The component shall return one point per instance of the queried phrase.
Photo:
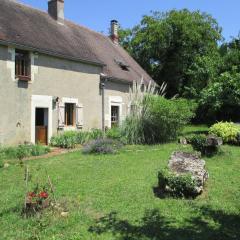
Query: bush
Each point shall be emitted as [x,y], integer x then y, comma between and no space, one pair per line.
[65,140]
[161,120]
[23,151]
[114,133]
[2,157]
[228,131]
[102,146]
[238,138]
[38,150]
[177,185]
[70,139]
[199,143]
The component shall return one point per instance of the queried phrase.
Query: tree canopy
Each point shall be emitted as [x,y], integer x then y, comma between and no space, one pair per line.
[177,47]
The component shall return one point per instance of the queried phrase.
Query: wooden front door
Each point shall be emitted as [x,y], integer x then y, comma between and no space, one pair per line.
[41,134]
[41,130]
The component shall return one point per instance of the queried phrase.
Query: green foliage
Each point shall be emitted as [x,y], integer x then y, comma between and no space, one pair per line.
[176,47]
[23,151]
[177,185]
[70,139]
[114,133]
[38,150]
[161,121]
[123,183]
[2,156]
[65,140]
[199,143]
[133,130]
[221,99]
[228,131]
[102,146]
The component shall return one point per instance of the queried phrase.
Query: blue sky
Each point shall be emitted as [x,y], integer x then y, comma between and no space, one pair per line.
[96,14]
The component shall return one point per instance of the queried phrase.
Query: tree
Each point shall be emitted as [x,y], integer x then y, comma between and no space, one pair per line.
[221,99]
[175,47]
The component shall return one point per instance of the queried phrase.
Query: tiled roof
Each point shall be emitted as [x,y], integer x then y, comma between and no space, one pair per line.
[35,29]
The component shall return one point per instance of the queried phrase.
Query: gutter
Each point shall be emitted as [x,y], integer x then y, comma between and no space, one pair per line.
[50,53]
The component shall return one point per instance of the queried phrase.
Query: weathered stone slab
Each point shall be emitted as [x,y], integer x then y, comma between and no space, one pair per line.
[182,162]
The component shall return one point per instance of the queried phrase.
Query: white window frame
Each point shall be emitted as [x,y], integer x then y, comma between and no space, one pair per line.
[114,101]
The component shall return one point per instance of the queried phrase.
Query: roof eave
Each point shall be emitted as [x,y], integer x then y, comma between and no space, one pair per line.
[124,81]
[50,53]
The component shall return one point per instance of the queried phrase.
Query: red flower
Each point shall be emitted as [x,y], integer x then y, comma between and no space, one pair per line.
[43,195]
[32,194]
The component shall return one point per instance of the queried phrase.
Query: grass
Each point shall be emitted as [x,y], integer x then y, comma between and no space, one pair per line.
[111,197]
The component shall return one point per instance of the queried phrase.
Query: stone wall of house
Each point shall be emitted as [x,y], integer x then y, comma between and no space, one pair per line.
[51,76]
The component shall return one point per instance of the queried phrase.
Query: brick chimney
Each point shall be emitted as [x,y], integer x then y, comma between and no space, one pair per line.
[56,10]
[114,31]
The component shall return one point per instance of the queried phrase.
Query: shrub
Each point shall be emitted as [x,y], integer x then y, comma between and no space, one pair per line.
[161,120]
[23,151]
[65,140]
[70,139]
[114,133]
[102,146]
[177,185]
[96,134]
[238,138]
[228,131]
[2,156]
[199,143]
[38,150]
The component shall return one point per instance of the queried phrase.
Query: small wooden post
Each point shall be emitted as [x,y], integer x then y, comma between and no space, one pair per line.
[26,177]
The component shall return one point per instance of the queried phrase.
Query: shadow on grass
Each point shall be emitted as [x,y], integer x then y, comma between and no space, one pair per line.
[155,226]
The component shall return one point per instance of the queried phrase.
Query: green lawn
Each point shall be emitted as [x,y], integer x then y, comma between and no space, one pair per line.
[111,197]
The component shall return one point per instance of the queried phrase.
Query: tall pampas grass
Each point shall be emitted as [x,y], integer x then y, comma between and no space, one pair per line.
[140,95]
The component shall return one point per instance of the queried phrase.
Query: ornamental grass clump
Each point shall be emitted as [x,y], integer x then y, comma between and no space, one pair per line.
[102,146]
[152,118]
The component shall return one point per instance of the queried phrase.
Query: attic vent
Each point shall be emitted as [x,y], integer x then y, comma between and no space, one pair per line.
[122,65]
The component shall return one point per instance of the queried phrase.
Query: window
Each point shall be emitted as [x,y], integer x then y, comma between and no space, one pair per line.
[22,65]
[70,114]
[114,116]
[122,65]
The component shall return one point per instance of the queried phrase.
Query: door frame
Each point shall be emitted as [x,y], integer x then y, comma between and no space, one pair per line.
[118,102]
[45,124]
[40,101]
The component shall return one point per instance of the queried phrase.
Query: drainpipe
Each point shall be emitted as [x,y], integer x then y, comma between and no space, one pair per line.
[103,79]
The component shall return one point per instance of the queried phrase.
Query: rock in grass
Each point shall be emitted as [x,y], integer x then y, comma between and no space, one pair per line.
[64,214]
[182,163]
[6,165]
